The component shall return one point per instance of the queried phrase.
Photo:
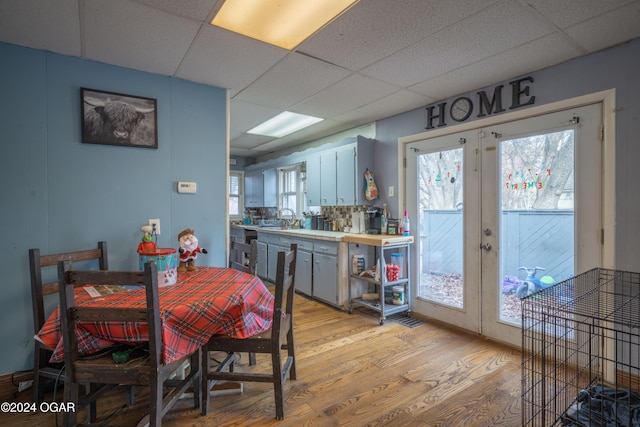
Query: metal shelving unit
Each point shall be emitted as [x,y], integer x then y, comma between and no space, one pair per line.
[380,248]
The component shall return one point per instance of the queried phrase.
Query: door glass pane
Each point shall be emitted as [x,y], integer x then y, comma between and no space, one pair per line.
[536,216]
[440,196]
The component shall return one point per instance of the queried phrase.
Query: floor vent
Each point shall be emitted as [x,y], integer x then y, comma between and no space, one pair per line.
[405,320]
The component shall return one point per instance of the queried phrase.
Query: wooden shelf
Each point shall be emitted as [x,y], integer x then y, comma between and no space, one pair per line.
[380,240]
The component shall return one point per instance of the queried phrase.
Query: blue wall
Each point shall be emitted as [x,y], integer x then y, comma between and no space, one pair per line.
[62,195]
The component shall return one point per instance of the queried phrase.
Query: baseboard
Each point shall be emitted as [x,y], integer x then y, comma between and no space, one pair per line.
[9,384]
[629,380]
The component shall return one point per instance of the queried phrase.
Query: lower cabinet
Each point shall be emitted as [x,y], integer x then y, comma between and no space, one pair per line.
[317,265]
[325,271]
[304,272]
[261,268]
[272,260]
[304,266]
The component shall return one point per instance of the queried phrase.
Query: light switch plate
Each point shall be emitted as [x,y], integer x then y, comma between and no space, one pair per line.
[392,191]
[186,187]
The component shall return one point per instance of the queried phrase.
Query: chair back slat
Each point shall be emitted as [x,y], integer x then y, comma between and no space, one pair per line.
[285,286]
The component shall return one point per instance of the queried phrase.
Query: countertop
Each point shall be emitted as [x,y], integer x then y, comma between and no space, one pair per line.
[338,236]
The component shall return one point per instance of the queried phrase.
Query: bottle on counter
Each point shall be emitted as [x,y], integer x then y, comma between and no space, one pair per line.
[383,219]
[406,229]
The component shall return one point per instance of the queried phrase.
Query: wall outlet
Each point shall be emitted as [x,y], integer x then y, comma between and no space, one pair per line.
[155,224]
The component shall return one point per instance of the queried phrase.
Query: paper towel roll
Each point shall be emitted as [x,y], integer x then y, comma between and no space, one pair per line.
[355,223]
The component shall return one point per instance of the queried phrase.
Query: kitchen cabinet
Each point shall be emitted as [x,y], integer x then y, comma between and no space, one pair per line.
[320,268]
[328,175]
[325,271]
[242,234]
[377,293]
[253,189]
[352,161]
[270,187]
[274,243]
[304,266]
[313,180]
[261,267]
[261,188]
[335,177]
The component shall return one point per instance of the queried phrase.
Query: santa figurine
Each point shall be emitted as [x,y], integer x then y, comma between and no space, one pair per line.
[188,250]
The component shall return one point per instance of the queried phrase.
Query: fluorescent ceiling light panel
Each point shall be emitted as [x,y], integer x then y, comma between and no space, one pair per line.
[284,124]
[283,23]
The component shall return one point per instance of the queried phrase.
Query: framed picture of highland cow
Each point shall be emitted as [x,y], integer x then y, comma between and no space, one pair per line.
[118,119]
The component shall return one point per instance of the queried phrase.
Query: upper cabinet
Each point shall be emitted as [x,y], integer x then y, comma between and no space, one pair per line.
[328,193]
[313,180]
[352,161]
[335,177]
[270,188]
[260,188]
[253,189]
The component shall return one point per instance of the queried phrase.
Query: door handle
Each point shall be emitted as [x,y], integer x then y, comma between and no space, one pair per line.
[485,246]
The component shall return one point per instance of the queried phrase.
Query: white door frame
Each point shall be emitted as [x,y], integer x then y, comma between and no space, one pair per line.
[606,97]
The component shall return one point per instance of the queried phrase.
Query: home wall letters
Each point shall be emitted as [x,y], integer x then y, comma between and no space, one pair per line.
[463,107]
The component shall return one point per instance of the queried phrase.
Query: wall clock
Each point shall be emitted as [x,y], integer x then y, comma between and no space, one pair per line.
[461,109]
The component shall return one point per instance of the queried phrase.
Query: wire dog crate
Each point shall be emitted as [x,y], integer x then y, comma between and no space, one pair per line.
[581,352]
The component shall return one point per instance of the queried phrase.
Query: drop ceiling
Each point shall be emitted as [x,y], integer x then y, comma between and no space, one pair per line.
[379,59]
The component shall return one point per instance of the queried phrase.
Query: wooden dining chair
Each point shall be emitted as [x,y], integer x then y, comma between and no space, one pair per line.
[274,341]
[145,368]
[239,252]
[39,264]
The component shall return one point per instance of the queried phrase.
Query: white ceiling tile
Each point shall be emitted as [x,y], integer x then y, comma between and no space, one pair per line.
[378,28]
[594,34]
[353,92]
[124,33]
[293,79]
[194,9]
[568,12]
[250,141]
[504,25]
[529,57]
[42,24]
[388,106]
[224,59]
[245,116]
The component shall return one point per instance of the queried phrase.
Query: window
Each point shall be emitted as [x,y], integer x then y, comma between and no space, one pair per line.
[291,189]
[236,206]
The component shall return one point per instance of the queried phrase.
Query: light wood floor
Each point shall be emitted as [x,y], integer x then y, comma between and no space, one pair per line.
[354,372]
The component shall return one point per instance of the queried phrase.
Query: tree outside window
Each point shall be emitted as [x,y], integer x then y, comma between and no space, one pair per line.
[291,189]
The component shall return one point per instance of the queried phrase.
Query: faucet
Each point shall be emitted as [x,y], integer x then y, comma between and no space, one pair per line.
[289,222]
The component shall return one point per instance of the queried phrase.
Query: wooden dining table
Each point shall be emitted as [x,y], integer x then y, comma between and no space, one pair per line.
[199,305]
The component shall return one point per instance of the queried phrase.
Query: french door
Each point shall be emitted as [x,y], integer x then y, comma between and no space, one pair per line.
[503,211]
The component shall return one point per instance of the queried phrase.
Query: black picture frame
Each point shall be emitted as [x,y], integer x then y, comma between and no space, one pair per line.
[118,119]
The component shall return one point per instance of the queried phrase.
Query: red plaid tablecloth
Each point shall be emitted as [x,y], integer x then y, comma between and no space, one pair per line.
[201,304]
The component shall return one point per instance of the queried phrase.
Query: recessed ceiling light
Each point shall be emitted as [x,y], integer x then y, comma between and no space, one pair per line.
[284,124]
[283,23]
